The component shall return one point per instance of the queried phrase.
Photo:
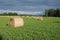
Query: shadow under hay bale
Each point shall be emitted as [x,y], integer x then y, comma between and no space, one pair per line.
[6,24]
[0,37]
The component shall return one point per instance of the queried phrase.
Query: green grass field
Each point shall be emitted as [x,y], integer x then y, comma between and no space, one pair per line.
[48,29]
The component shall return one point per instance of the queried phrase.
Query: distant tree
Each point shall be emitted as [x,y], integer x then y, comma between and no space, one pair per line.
[52,12]
[12,14]
[46,12]
[5,13]
[15,13]
[58,12]
[9,13]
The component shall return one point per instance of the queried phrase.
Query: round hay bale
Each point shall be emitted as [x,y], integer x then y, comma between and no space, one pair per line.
[41,18]
[27,16]
[16,21]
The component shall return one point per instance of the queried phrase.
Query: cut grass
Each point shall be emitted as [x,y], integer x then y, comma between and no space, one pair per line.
[48,29]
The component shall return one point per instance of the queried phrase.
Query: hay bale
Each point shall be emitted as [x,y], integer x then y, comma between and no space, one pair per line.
[36,17]
[27,16]
[41,18]
[16,22]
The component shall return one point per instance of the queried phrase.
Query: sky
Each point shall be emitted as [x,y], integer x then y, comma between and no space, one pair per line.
[29,5]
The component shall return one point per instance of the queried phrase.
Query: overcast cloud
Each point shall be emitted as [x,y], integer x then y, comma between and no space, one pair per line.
[29,5]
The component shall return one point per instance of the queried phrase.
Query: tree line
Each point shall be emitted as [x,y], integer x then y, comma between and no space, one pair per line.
[14,14]
[8,14]
[48,13]
[52,12]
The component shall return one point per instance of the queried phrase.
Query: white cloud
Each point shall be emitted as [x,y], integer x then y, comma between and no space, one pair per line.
[21,12]
[28,6]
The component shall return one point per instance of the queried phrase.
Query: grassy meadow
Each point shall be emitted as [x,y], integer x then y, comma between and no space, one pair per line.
[33,29]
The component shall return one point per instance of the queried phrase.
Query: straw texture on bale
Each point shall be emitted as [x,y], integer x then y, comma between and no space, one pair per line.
[16,22]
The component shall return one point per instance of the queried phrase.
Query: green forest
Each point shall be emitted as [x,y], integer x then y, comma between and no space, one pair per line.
[52,12]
